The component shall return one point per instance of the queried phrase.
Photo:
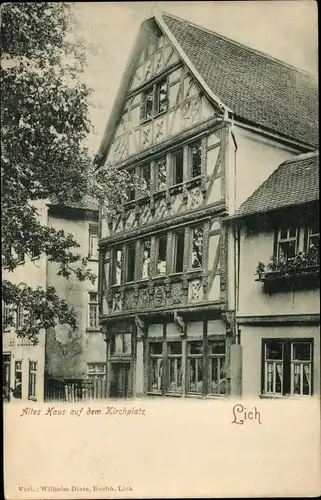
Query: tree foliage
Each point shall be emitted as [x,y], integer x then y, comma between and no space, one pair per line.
[44,123]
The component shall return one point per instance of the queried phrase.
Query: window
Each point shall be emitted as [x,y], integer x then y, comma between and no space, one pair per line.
[20,257]
[6,364]
[178,251]
[93,241]
[93,310]
[155,366]
[287,367]
[130,261]
[17,380]
[161,254]
[197,247]
[20,319]
[174,370]
[161,96]
[121,344]
[178,166]
[146,263]
[217,368]
[35,254]
[195,158]
[7,314]
[145,175]
[32,379]
[161,173]
[130,193]
[313,244]
[96,370]
[195,367]
[154,100]
[147,104]
[287,243]
[116,274]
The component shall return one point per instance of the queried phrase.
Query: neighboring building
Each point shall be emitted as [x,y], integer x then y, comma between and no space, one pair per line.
[43,370]
[203,121]
[278,269]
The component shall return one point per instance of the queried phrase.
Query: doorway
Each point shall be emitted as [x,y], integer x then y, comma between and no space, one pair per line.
[120,385]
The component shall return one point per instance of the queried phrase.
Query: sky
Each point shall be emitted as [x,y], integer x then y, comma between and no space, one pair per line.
[285,29]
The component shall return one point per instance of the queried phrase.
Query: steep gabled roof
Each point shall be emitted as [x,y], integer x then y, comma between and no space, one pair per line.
[294,182]
[258,88]
[249,85]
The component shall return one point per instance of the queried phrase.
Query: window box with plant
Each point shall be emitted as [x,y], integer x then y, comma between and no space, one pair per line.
[302,269]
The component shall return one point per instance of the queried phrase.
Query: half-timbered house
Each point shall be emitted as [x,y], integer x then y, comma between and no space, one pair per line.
[202,120]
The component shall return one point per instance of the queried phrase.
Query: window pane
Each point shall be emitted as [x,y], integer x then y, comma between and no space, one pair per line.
[274,350]
[127,346]
[148,98]
[195,347]
[177,162]
[196,158]
[93,297]
[161,93]
[175,374]
[161,173]
[162,248]
[179,251]
[195,375]
[146,259]
[155,374]
[131,255]
[197,247]
[292,232]
[217,377]
[156,348]
[287,249]
[283,234]
[217,348]
[175,348]
[301,351]
[117,261]
[146,176]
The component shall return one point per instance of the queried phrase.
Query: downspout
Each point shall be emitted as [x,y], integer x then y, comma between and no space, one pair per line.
[236,240]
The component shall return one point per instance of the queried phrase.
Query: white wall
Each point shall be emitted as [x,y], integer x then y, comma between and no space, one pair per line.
[251,341]
[253,301]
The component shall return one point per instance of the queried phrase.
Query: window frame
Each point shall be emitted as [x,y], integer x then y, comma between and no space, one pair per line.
[191,357]
[160,237]
[152,357]
[130,245]
[154,90]
[93,230]
[141,263]
[175,251]
[96,305]
[96,375]
[191,240]
[32,380]
[114,262]
[20,318]
[287,372]
[170,357]
[190,146]
[218,356]
[173,163]
[288,239]
[18,371]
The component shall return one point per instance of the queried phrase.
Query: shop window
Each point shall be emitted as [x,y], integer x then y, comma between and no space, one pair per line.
[195,367]
[155,375]
[161,254]
[217,368]
[287,367]
[197,247]
[174,363]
